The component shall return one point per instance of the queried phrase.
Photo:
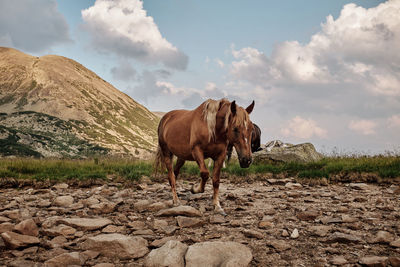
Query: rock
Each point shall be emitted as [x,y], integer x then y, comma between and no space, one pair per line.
[338,260]
[347,219]
[217,219]
[66,259]
[137,225]
[157,206]
[359,186]
[142,205]
[160,242]
[113,229]
[308,215]
[300,153]
[6,227]
[104,264]
[343,238]
[64,201]
[4,219]
[218,253]
[383,237]
[295,234]
[188,221]
[291,185]
[374,261]
[395,243]
[180,210]
[103,207]
[394,261]
[60,229]
[279,245]
[86,223]
[44,203]
[159,224]
[265,224]
[170,254]
[58,241]
[14,240]
[117,246]
[61,186]
[253,234]
[27,227]
[285,233]
[320,230]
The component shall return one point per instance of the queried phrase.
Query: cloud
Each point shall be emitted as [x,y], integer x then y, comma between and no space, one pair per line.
[365,127]
[394,121]
[220,63]
[123,72]
[124,28]
[303,129]
[32,25]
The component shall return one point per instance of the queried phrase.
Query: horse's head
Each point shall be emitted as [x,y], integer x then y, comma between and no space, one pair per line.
[239,132]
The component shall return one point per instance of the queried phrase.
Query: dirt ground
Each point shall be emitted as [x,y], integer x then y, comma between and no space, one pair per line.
[284,223]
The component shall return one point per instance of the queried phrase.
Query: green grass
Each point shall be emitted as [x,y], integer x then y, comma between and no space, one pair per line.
[61,170]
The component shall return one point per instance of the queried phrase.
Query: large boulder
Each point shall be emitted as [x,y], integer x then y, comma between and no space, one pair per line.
[171,254]
[218,253]
[277,151]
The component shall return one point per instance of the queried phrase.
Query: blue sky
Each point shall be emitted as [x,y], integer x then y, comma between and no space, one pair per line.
[324,72]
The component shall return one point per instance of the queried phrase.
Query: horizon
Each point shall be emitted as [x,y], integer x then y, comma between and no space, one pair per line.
[319,72]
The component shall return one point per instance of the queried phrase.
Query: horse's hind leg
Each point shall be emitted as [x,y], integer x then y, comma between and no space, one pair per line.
[199,157]
[171,178]
[178,166]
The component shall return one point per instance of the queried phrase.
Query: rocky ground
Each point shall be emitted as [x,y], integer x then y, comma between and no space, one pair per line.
[276,222]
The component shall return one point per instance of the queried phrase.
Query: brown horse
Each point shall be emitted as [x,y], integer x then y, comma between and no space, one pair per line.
[202,133]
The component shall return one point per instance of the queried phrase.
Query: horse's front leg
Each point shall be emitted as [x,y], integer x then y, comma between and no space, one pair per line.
[216,172]
[198,155]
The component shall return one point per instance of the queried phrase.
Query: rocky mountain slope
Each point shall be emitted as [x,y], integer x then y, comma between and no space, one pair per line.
[87,109]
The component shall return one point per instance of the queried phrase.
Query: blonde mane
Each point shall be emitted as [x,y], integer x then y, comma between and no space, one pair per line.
[210,110]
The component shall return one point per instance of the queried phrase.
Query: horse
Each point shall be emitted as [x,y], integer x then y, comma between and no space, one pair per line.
[204,132]
[255,142]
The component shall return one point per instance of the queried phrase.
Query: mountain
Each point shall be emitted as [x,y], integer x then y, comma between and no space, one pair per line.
[58,99]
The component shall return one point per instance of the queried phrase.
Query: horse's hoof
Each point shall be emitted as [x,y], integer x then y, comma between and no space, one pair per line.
[220,211]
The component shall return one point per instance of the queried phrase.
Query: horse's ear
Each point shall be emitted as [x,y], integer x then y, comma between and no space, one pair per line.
[233,108]
[249,109]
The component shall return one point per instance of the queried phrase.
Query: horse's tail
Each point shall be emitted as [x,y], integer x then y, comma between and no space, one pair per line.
[159,161]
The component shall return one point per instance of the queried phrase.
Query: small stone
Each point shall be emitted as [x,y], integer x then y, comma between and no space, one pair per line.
[159,224]
[395,243]
[61,186]
[6,227]
[137,225]
[117,246]
[279,245]
[359,186]
[14,240]
[338,260]
[64,201]
[343,238]
[347,219]
[320,230]
[188,221]
[27,227]
[86,223]
[236,223]
[265,224]
[142,205]
[104,264]
[58,241]
[160,242]
[103,207]
[394,261]
[285,233]
[180,210]
[113,229]
[374,261]
[295,234]
[66,259]
[217,219]
[253,234]
[383,237]
[309,215]
[60,229]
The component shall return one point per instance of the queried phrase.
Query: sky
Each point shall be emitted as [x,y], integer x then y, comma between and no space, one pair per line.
[325,72]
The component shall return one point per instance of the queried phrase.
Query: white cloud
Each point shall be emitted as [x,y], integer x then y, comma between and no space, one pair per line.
[365,127]
[32,25]
[356,47]
[124,28]
[123,72]
[394,121]
[301,128]
[220,63]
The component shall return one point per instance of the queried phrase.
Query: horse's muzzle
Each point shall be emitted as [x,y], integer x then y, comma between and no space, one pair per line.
[245,162]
